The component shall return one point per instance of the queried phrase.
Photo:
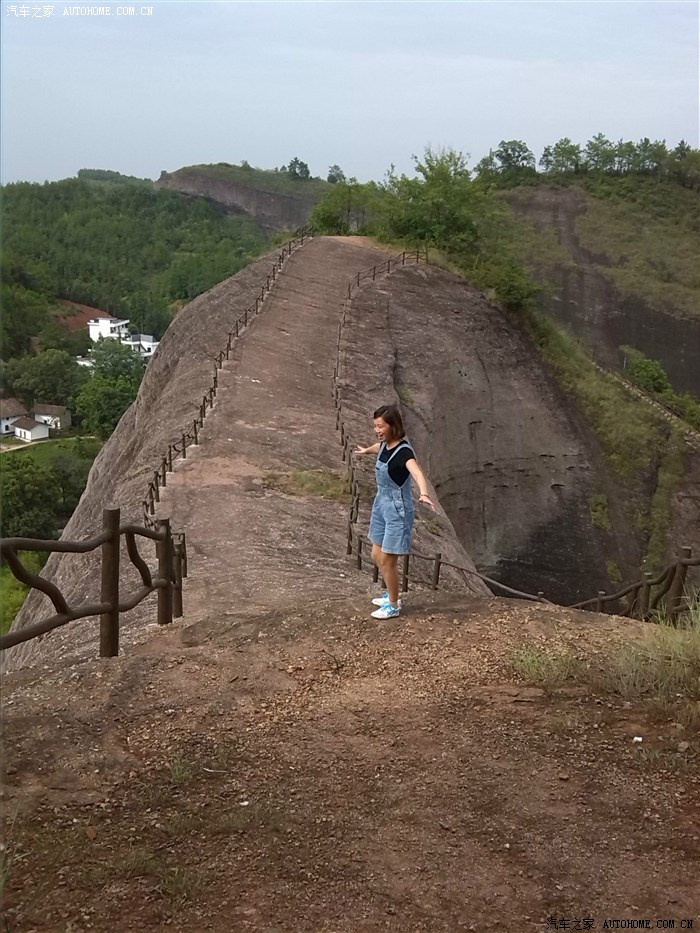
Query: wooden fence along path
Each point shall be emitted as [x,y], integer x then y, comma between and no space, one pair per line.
[643,597]
[171,552]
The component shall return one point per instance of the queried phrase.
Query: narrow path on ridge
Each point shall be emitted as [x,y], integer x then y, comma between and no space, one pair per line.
[251,547]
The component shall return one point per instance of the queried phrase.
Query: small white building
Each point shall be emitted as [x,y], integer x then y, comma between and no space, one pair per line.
[10,411]
[106,326]
[144,344]
[56,416]
[27,429]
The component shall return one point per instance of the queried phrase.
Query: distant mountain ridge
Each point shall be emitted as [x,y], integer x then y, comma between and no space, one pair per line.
[273,199]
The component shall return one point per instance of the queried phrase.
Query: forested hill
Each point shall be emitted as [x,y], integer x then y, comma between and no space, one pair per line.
[126,248]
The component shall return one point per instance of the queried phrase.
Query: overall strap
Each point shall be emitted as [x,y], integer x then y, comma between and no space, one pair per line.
[398,447]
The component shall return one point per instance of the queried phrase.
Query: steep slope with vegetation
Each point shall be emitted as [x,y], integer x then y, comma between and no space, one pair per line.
[650,496]
[622,271]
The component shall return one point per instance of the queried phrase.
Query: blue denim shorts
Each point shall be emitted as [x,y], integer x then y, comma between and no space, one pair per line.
[391,525]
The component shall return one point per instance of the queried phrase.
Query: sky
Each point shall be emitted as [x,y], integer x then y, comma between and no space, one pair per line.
[161,84]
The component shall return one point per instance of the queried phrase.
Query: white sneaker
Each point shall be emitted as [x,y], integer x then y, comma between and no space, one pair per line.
[387,611]
[381,600]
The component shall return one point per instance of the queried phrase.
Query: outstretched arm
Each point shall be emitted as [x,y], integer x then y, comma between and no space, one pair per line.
[374,449]
[419,477]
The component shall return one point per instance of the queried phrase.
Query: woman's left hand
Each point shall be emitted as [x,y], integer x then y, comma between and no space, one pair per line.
[428,501]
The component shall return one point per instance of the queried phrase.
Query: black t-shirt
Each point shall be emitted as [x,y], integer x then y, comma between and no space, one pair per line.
[398,471]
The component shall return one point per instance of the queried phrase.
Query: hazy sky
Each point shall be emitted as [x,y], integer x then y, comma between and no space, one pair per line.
[361,84]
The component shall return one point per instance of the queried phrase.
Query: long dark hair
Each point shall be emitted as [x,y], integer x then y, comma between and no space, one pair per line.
[392,416]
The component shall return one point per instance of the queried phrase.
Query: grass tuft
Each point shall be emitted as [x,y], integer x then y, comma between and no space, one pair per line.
[324,483]
[545,669]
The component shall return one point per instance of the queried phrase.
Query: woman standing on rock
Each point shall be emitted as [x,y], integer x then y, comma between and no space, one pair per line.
[393,511]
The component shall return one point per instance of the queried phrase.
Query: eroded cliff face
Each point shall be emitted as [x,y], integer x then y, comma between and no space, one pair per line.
[587,303]
[272,212]
[516,467]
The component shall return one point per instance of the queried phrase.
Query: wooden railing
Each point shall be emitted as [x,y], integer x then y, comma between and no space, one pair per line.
[646,597]
[190,435]
[643,598]
[171,555]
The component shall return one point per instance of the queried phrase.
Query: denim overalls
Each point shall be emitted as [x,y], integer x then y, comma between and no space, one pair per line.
[393,511]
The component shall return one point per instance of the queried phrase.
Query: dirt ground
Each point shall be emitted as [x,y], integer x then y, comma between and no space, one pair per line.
[315,770]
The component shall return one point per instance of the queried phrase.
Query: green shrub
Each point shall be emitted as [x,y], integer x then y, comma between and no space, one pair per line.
[12,592]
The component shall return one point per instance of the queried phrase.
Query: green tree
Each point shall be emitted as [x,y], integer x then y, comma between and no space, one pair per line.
[298,169]
[53,377]
[626,156]
[102,402]
[27,497]
[600,154]
[441,207]
[335,174]
[487,168]
[563,156]
[69,473]
[648,373]
[348,207]
[514,154]
[114,360]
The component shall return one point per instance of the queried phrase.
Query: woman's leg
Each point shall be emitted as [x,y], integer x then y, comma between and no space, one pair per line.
[377,556]
[390,571]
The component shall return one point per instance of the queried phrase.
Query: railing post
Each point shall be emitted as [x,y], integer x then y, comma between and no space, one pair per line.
[184,446]
[404,581]
[196,436]
[109,621]
[359,553]
[164,550]
[599,601]
[177,575]
[170,458]
[164,471]
[183,545]
[375,573]
[436,571]
[674,600]
[644,596]
[349,548]
[156,485]
[236,329]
